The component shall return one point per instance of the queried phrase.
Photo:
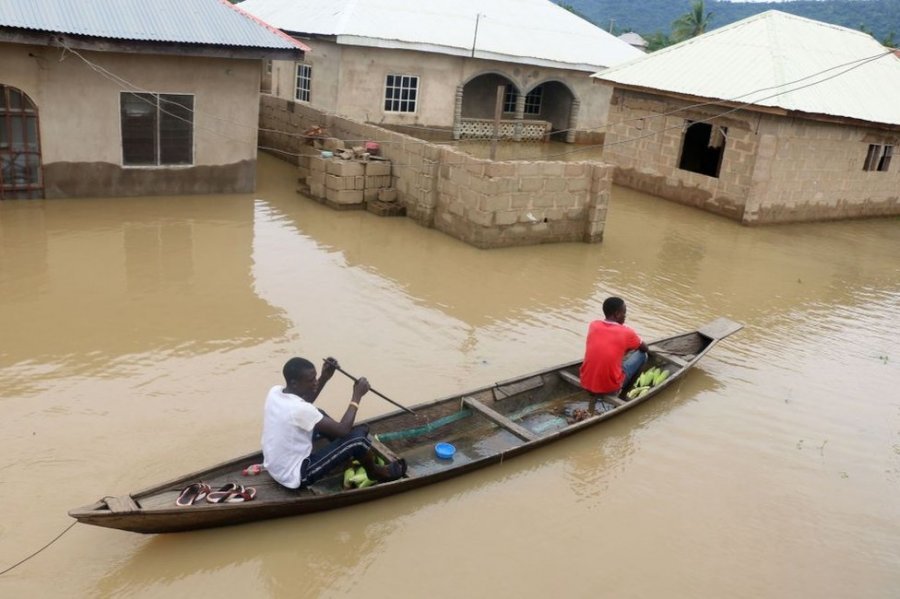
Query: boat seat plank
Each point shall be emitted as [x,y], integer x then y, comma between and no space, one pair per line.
[122,504]
[677,360]
[570,378]
[611,399]
[720,328]
[519,431]
[502,390]
[384,450]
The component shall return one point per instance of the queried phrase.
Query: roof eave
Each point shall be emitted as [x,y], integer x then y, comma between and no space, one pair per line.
[100,44]
[774,110]
[371,42]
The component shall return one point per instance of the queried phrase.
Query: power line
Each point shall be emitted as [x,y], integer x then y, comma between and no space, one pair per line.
[782,89]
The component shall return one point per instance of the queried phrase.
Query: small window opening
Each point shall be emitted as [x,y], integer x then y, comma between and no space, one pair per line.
[885,163]
[702,148]
[878,158]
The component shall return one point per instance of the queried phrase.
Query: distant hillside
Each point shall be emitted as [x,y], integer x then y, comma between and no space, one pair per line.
[880,17]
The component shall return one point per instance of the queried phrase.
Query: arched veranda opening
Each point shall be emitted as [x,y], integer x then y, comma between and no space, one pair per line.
[548,110]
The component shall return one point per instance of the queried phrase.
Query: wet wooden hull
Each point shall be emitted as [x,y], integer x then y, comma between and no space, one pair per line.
[487,425]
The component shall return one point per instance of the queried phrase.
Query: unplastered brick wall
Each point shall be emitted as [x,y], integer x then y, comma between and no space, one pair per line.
[808,170]
[346,183]
[483,202]
[493,204]
[644,139]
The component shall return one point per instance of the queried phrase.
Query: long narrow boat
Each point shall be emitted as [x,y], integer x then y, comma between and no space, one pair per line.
[486,425]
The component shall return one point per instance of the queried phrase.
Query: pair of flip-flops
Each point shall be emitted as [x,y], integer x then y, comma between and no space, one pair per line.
[193,493]
[229,493]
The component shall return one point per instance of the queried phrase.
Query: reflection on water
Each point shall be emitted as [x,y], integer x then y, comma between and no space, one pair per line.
[138,338]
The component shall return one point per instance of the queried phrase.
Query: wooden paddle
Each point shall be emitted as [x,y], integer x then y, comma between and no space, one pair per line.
[378,393]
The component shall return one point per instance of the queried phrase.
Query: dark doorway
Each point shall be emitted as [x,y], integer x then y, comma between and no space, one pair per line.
[480,95]
[20,147]
[702,148]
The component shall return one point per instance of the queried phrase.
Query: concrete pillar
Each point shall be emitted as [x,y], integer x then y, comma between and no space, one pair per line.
[519,116]
[457,113]
[573,121]
[597,203]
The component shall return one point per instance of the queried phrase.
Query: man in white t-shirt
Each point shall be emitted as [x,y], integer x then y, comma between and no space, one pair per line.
[291,422]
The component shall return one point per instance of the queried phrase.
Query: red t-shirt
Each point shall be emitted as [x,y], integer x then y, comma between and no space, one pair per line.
[607,343]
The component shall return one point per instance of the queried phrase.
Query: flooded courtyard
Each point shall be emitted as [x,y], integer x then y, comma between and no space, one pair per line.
[138,338]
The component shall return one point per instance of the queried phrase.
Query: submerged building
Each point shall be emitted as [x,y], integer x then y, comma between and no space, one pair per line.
[775,118]
[433,67]
[130,97]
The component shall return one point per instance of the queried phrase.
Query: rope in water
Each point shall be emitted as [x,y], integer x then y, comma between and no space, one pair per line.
[22,561]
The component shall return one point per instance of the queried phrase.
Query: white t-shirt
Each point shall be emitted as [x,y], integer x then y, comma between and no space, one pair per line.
[288,423]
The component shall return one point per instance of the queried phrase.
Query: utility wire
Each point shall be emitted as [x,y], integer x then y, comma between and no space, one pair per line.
[782,89]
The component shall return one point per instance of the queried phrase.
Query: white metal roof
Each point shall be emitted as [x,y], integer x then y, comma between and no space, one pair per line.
[777,60]
[525,31]
[208,22]
[634,39]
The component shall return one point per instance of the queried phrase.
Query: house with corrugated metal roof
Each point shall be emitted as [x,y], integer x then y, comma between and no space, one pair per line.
[435,66]
[131,97]
[775,118]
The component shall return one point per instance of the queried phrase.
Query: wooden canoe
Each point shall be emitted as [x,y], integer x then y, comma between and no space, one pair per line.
[486,425]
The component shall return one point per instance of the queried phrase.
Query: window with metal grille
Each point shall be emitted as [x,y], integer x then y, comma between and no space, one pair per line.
[878,157]
[510,95]
[157,129]
[304,79]
[20,148]
[400,93]
[533,101]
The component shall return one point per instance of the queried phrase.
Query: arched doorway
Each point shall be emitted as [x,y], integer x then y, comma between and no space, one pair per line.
[554,102]
[476,102]
[20,146]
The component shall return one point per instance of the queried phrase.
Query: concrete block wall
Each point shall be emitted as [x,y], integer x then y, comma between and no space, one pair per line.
[485,203]
[775,169]
[643,141]
[810,171]
[493,204]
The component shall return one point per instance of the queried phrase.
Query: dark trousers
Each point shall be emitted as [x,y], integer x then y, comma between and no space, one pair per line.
[339,451]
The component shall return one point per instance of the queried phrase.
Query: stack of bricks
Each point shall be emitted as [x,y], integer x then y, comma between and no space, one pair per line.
[349,183]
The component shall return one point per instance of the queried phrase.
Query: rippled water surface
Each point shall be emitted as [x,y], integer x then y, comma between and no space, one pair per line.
[138,337]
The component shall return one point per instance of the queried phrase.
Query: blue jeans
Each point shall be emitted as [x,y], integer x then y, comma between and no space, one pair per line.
[632,364]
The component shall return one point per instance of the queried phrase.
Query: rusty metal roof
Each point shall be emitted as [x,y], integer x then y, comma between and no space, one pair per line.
[536,32]
[207,22]
[779,60]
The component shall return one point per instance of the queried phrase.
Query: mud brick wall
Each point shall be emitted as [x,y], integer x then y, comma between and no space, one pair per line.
[485,203]
[774,168]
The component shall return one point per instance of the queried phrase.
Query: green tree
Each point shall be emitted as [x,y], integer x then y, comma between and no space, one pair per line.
[574,11]
[890,40]
[692,23]
[657,41]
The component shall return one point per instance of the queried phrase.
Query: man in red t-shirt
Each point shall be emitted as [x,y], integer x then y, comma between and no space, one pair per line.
[606,368]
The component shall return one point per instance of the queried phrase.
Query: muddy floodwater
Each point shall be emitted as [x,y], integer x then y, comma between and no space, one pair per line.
[138,337]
